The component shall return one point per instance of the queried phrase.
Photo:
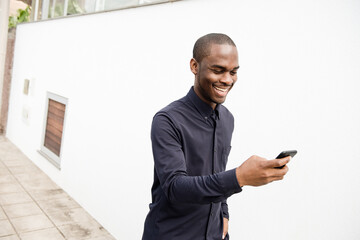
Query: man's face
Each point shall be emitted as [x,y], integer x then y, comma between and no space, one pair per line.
[216,74]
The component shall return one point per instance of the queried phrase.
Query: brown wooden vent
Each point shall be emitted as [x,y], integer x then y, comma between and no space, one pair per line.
[54,126]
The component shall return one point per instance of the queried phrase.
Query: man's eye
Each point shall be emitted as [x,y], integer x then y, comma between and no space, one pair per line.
[233,73]
[216,71]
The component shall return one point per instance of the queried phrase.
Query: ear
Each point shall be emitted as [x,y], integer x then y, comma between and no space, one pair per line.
[194,66]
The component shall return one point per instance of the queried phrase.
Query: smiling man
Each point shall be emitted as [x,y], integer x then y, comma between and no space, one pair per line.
[191,141]
[215,69]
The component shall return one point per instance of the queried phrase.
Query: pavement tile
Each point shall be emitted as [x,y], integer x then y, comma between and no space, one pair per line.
[10,188]
[48,194]
[7,147]
[13,198]
[39,184]
[31,223]
[45,234]
[105,237]
[22,210]
[26,193]
[8,156]
[7,179]
[16,162]
[4,171]
[58,204]
[24,177]
[5,228]
[24,169]
[11,237]
[83,230]
[2,214]
[70,216]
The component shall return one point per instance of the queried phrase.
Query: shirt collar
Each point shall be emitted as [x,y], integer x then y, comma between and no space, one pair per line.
[204,109]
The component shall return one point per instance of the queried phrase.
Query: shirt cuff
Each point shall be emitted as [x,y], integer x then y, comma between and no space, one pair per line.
[229,182]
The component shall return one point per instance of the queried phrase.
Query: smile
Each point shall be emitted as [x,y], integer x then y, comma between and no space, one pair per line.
[224,90]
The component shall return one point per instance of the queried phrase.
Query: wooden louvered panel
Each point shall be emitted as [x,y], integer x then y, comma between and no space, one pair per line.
[54,126]
[52,145]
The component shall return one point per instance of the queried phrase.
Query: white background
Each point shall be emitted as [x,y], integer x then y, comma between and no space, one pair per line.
[298,88]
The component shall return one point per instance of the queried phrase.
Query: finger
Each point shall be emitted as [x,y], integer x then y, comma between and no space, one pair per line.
[281,171]
[275,178]
[284,161]
[278,162]
[278,174]
[224,236]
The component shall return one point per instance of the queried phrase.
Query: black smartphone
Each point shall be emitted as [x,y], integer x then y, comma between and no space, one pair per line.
[287,153]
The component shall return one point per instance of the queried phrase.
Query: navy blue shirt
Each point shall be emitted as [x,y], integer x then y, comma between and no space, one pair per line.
[191,143]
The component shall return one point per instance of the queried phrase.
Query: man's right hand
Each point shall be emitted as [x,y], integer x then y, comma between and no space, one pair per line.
[257,171]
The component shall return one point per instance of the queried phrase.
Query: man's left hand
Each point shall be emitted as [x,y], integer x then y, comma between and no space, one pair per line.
[226,228]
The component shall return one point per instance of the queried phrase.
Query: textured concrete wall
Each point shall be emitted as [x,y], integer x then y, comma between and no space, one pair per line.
[4,13]
[7,79]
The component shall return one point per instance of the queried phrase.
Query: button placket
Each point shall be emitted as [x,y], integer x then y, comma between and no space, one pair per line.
[214,145]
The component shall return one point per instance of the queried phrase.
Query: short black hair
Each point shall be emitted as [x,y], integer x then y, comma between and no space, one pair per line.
[202,45]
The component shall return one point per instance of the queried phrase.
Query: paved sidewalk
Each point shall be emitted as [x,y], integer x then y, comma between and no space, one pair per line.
[32,207]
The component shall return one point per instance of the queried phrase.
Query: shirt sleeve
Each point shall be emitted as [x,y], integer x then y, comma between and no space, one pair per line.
[170,167]
[224,209]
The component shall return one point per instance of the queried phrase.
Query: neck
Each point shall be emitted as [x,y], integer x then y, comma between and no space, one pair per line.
[207,101]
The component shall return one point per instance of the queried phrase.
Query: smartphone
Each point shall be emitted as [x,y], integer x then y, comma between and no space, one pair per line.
[287,153]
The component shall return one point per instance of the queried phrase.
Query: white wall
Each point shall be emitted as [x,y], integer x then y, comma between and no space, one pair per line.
[297,89]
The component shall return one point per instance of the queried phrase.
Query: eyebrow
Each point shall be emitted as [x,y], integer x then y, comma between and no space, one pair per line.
[221,67]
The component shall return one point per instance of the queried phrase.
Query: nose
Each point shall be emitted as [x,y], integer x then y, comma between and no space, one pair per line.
[227,79]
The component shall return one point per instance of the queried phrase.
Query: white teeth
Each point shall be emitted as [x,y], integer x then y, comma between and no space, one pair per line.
[220,89]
